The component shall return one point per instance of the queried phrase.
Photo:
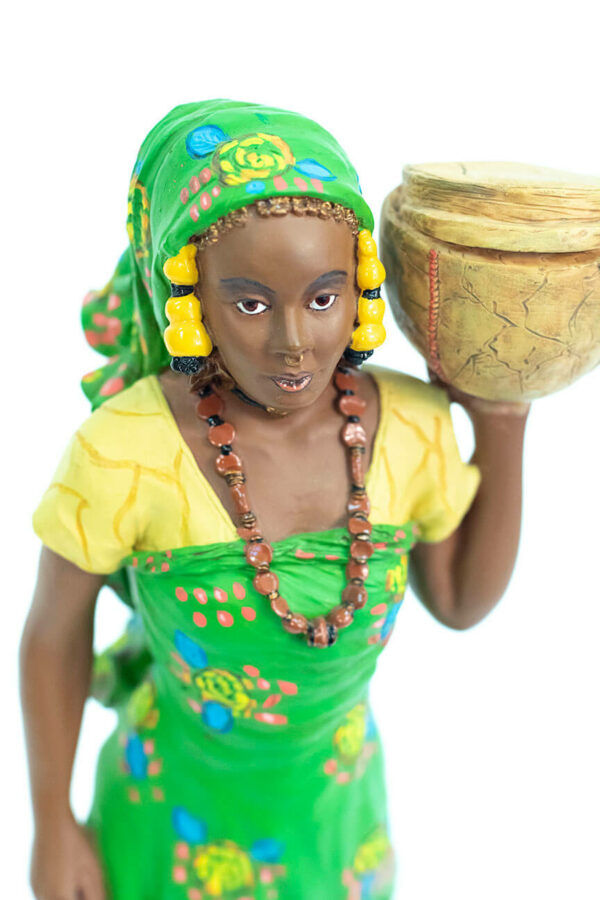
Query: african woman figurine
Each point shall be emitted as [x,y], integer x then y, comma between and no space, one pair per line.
[253,492]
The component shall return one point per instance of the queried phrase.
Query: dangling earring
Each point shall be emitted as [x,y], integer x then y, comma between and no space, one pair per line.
[370,275]
[186,338]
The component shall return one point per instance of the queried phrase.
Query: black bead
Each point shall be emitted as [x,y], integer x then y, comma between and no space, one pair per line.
[372,295]
[354,418]
[187,365]
[181,290]
[205,391]
[310,635]
[331,634]
[347,392]
[226,449]
[215,420]
[357,357]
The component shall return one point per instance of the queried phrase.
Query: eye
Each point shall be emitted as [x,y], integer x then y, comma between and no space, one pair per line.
[329,301]
[243,305]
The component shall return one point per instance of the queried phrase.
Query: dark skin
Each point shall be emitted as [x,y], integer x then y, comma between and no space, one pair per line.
[298,480]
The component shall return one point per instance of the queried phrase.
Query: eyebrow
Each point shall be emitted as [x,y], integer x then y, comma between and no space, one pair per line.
[234,284]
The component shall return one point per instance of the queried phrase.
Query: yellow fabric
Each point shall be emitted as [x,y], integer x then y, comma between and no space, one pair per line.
[127,480]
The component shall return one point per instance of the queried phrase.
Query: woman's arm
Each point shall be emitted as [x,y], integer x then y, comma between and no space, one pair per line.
[460,579]
[55,662]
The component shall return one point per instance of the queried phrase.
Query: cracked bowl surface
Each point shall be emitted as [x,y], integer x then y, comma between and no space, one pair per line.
[500,324]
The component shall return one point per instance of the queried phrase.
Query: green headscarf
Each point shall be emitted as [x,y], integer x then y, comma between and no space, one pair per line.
[200,162]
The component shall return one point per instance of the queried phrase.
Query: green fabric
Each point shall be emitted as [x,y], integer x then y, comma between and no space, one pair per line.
[198,163]
[247,765]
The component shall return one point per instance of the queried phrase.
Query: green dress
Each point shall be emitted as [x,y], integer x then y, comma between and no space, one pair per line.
[244,764]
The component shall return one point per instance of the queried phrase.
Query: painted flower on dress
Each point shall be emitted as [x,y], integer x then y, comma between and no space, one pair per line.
[140,761]
[395,586]
[220,696]
[354,744]
[372,868]
[222,868]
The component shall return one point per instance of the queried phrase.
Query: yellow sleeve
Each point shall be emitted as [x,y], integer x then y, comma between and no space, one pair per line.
[422,477]
[449,485]
[87,513]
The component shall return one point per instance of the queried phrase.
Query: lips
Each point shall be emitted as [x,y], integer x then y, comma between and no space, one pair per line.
[291,382]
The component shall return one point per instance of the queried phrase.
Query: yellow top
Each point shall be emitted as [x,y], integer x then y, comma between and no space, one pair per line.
[127,481]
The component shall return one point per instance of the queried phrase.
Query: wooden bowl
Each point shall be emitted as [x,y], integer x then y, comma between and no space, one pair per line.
[493,273]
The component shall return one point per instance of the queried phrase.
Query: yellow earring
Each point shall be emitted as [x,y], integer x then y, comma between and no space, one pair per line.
[186,338]
[370,275]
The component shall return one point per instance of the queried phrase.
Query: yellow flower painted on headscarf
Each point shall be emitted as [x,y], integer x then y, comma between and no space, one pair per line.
[226,688]
[138,218]
[349,738]
[254,156]
[223,866]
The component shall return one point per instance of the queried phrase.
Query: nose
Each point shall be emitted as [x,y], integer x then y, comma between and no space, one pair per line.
[291,335]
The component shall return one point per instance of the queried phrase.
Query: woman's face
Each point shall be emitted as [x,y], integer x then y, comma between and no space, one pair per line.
[277,287]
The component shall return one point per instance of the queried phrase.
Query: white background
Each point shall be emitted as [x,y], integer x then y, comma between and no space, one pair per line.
[491,735]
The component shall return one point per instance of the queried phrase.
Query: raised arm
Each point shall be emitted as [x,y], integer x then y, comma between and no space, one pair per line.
[55,668]
[460,579]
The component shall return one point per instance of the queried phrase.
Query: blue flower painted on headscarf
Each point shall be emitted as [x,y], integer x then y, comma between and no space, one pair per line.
[255,187]
[312,169]
[204,140]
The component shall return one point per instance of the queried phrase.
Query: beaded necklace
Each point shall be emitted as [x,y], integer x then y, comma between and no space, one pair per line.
[320,631]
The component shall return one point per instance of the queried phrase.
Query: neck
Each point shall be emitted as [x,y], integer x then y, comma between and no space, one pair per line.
[280,422]
[268,409]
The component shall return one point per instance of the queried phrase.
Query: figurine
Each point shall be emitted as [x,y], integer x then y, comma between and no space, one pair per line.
[254,495]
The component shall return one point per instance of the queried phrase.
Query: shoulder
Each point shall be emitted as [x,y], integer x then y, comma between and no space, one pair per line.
[123,423]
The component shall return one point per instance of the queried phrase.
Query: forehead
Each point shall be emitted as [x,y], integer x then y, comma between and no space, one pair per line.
[281,247]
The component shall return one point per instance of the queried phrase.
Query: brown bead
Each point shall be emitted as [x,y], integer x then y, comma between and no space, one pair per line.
[340,616]
[357,570]
[353,434]
[258,553]
[357,525]
[359,503]
[230,463]
[361,551]
[211,405]
[320,637]
[265,582]
[357,467]
[344,381]
[247,533]
[351,405]
[240,498]
[279,606]
[221,434]
[355,595]
[295,623]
